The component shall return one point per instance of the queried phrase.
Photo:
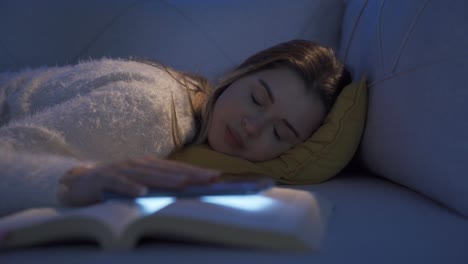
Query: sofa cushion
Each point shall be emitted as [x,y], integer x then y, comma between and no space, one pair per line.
[317,159]
[417,63]
[373,221]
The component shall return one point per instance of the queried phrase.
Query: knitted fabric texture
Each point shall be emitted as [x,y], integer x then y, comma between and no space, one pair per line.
[54,118]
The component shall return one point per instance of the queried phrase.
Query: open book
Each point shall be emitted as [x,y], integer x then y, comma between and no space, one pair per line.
[279,218]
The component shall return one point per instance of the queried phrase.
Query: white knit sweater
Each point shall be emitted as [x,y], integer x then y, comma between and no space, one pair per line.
[52,119]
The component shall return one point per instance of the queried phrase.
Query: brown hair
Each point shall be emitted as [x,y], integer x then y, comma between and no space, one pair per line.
[317,65]
[198,89]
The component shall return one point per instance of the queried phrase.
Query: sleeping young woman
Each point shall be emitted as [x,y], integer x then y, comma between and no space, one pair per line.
[68,133]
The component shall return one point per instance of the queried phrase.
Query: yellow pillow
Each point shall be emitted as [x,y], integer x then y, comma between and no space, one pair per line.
[317,159]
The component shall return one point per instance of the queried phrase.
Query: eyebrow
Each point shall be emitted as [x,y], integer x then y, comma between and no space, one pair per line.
[272,99]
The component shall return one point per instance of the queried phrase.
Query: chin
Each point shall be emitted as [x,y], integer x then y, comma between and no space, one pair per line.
[247,157]
[256,159]
[221,147]
[216,144]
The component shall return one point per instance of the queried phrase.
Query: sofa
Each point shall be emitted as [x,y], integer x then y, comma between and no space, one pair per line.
[404,196]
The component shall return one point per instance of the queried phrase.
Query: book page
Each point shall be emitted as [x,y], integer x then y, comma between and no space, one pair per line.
[278,218]
[275,209]
[117,215]
[26,218]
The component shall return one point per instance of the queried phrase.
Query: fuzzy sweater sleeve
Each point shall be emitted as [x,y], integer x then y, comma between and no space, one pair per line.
[30,180]
[100,111]
[32,160]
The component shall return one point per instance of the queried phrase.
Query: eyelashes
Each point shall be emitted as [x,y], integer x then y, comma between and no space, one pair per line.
[275,132]
[254,100]
[257,103]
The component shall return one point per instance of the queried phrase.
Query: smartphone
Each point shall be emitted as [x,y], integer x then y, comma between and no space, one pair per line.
[232,186]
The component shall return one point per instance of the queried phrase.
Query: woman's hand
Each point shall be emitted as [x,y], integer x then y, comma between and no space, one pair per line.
[84,185]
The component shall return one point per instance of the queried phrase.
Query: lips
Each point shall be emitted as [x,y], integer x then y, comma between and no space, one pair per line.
[233,139]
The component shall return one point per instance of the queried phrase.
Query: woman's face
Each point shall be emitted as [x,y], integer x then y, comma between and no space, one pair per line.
[264,114]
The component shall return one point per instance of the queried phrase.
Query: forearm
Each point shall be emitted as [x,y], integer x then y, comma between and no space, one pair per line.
[30,180]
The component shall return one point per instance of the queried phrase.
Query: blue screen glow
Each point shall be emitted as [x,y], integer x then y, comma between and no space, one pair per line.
[153,204]
[243,202]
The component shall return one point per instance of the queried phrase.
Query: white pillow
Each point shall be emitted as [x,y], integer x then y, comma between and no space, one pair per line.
[210,37]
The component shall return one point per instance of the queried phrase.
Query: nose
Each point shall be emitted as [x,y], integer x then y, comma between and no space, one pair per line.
[253,126]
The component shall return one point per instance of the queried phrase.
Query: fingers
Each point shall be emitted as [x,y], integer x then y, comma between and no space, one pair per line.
[122,185]
[134,177]
[152,178]
[173,171]
[179,167]
[84,185]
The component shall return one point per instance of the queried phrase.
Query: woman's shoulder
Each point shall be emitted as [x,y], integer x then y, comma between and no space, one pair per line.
[120,69]
[134,78]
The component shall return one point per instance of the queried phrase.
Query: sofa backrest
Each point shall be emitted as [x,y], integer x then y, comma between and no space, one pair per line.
[208,37]
[416,58]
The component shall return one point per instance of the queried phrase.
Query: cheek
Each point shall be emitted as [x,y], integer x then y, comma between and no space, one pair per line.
[222,114]
[218,115]
[217,119]
[229,105]
[314,123]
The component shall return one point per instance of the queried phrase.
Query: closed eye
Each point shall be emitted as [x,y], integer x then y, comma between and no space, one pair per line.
[254,100]
[275,132]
